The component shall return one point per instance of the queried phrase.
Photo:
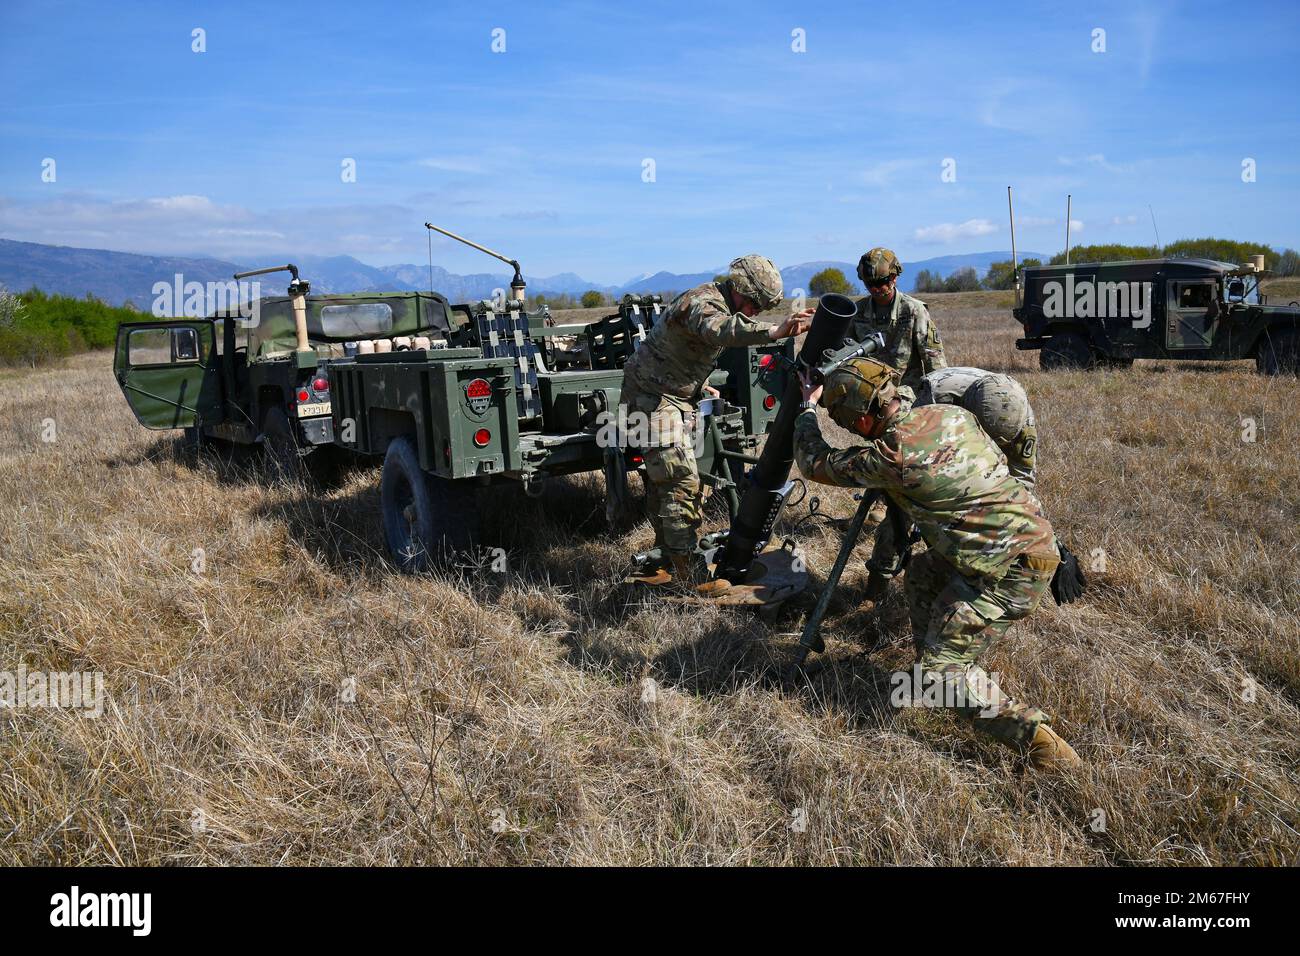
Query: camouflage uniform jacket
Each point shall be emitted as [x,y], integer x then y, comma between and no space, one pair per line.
[936,463]
[679,352]
[912,342]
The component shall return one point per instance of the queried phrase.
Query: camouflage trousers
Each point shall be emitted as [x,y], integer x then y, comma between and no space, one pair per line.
[674,492]
[955,619]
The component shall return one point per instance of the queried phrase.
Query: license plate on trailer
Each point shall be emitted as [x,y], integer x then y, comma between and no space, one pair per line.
[314,408]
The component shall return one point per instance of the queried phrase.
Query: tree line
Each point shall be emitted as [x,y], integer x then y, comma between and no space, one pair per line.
[36,328]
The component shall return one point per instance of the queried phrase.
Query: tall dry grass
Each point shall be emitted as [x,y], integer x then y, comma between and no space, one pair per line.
[552,715]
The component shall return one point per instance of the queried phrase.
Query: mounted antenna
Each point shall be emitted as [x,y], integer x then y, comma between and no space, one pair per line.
[1067,229]
[1155,229]
[1015,269]
[298,289]
[517,284]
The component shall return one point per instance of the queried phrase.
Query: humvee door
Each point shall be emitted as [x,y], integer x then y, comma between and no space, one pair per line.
[1191,313]
[169,372]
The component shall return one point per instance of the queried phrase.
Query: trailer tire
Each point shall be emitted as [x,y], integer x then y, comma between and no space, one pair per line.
[428,520]
[1066,350]
[1278,354]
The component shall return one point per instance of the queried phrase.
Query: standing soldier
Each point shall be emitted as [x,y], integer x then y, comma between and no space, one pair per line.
[991,552]
[911,340]
[664,380]
[913,348]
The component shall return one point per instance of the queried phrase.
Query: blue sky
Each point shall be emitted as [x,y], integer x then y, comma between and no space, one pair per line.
[237,152]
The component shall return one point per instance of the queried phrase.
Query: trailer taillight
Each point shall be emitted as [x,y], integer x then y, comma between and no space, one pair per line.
[304,395]
[482,437]
[479,388]
[769,402]
[320,385]
[765,360]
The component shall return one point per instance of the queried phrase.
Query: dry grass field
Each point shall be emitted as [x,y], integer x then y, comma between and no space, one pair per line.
[552,715]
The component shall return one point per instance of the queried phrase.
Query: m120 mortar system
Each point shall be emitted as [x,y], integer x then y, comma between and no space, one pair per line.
[454,398]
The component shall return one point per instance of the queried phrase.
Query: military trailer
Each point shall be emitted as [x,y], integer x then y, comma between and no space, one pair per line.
[453,398]
[1089,315]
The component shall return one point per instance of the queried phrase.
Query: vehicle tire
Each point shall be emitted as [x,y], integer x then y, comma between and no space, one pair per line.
[280,446]
[1066,350]
[1279,353]
[428,520]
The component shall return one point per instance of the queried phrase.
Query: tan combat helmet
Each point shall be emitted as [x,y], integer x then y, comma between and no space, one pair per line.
[859,387]
[757,279]
[878,263]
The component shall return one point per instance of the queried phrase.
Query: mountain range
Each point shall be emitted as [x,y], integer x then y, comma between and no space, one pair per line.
[120,277]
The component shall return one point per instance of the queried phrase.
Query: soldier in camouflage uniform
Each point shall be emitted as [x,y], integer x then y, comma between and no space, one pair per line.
[1001,407]
[912,342]
[666,377]
[991,552]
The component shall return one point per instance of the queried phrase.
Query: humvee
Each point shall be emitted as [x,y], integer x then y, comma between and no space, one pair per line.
[450,397]
[1088,315]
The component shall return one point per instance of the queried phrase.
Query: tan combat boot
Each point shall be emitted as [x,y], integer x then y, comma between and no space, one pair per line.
[1048,751]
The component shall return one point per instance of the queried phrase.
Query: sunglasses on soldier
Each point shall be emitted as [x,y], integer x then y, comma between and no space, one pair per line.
[877,283]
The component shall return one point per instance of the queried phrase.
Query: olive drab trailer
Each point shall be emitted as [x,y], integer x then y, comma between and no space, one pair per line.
[1085,315]
[453,398]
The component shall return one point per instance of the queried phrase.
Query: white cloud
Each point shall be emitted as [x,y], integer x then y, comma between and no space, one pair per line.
[881,173]
[951,232]
[450,164]
[1094,159]
[195,225]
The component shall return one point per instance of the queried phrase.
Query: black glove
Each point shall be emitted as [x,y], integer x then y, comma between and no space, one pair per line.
[1068,583]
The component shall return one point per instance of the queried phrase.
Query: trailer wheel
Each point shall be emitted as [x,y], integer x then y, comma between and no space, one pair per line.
[1066,350]
[1278,354]
[428,520]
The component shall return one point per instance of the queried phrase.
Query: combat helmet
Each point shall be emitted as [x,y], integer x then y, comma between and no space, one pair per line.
[758,279]
[861,386]
[878,263]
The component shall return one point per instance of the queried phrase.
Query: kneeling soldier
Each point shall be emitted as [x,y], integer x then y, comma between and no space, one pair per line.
[665,378]
[1001,407]
[991,550]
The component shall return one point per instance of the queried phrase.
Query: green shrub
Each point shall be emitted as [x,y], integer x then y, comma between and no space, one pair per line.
[829,280]
[36,328]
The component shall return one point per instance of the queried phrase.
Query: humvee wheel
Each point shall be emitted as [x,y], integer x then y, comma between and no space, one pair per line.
[1066,350]
[428,520]
[1279,354]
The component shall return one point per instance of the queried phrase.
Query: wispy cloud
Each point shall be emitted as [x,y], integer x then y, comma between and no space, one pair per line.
[881,173]
[945,232]
[451,165]
[1097,160]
